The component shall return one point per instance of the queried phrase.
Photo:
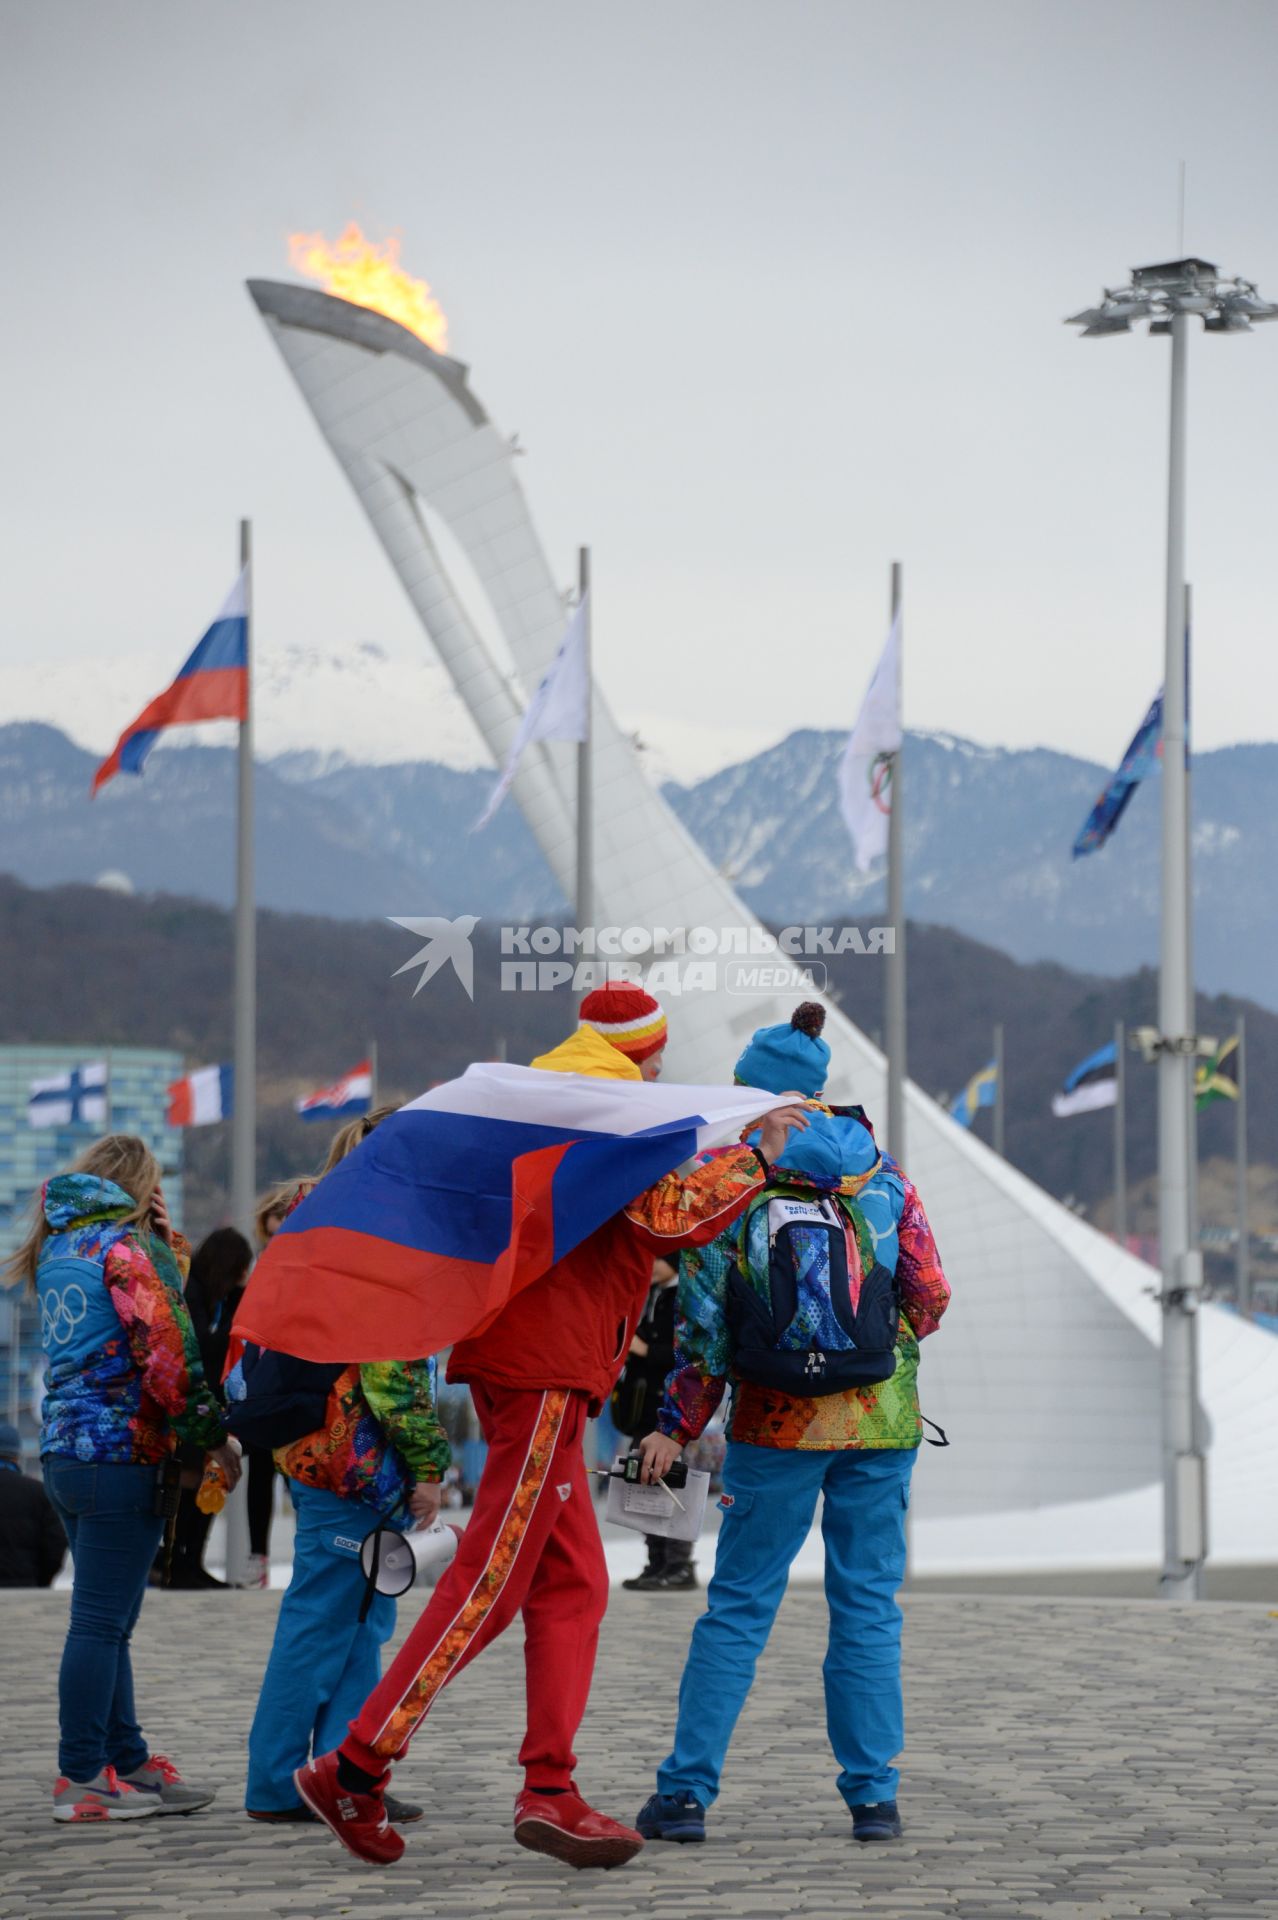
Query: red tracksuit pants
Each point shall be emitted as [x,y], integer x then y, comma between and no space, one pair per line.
[533,1545]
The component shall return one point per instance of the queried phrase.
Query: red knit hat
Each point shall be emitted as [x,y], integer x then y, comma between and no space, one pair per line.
[628,1018]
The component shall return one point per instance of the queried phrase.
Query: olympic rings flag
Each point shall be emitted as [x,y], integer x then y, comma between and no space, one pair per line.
[865,771]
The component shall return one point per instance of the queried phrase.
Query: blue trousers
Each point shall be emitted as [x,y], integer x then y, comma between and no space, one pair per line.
[106,1509]
[769,1500]
[323,1662]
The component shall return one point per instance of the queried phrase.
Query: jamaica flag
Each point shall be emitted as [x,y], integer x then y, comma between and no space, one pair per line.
[1217,1078]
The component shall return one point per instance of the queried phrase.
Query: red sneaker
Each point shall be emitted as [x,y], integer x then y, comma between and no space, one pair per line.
[358,1819]
[562,1825]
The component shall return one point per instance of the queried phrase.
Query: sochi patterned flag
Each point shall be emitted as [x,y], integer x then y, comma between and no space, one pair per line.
[1137,764]
[350,1095]
[466,1196]
[212,685]
[202,1097]
[865,772]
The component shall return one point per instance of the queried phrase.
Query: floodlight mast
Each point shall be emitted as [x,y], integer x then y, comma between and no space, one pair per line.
[1168,295]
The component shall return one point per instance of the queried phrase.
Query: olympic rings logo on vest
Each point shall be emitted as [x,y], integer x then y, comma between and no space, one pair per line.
[61,1313]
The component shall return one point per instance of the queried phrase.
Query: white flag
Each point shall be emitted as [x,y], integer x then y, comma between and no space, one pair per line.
[559,710]
[865,772]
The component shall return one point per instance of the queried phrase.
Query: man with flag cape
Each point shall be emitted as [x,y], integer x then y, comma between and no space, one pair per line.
[514,1214]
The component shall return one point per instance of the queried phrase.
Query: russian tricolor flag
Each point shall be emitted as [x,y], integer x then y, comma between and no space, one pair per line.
[466,1196]
[350,1095]
[202,1097]
[213,685]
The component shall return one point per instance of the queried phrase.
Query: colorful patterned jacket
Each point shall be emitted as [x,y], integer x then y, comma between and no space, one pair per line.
[124,1377]
[884,1415]
[381,1433]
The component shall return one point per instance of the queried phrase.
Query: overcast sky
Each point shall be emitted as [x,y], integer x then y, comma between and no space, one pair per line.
[772,291]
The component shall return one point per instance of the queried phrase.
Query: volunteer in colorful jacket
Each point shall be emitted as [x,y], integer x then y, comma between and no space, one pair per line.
[537,1372]
[856,1447]
[380,1450]
[124,1384]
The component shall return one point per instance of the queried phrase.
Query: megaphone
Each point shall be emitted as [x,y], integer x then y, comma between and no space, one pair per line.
[392,1560]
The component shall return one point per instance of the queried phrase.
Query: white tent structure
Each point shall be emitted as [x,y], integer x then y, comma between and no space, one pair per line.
[1046,1373]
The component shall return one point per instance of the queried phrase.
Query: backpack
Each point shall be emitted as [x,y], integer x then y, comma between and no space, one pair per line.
[278,1398]
[825,1314]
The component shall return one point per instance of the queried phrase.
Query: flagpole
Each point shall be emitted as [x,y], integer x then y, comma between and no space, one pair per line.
[585,903]
[1242,1286]
[894,988]
[998,1091]
[1184,1467]
[1191,1120]
[244,1116]
[1120,1135]
[244,1109]
[372,1075]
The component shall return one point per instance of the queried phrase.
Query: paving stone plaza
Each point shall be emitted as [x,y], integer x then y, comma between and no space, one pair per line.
[1066,1758]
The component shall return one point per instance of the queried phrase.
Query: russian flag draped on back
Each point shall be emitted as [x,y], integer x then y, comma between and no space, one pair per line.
[212,685]
[463,1198]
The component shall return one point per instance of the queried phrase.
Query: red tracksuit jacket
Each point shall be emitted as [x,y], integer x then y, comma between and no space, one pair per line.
[573,1327]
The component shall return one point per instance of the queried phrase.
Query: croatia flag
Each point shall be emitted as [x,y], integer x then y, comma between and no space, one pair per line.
[350,1095]
[466,1196]
[213,685]
[202,1097]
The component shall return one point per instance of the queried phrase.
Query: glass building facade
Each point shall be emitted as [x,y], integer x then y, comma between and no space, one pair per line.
[138,1083]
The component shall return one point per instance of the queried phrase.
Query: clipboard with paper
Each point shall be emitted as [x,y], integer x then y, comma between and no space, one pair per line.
[671,1513]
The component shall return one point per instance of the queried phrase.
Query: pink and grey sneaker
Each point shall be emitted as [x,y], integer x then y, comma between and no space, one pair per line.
[160,1778]
[106,1797]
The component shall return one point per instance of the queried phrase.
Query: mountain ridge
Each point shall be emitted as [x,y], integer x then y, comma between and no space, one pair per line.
[988,832]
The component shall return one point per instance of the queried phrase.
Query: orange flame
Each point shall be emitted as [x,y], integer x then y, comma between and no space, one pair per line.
[359,270]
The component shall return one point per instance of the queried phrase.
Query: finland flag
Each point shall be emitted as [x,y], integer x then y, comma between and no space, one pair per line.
[75,1098]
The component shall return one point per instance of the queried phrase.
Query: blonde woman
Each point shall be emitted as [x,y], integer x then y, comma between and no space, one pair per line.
[124,1384]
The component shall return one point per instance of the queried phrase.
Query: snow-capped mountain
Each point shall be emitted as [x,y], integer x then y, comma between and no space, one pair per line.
[988,832]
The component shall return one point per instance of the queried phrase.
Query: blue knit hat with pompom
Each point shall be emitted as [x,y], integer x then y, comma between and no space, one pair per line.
[788,1059]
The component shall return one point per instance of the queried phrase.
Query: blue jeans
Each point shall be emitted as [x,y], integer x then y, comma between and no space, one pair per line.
[324,1663]
[106,1509]
[772,1496]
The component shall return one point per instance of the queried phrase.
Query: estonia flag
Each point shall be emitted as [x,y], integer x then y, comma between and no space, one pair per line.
[1092,1084]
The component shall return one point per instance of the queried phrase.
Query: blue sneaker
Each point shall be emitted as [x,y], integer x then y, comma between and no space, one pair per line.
[879,1820]
[672,1816]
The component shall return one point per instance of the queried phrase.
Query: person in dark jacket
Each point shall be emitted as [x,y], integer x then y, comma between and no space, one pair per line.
[636,1402]
[32,1542]
[219,1268]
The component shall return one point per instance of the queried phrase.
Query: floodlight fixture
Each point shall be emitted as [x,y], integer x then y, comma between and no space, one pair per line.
[1169,294]
[1160,292]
